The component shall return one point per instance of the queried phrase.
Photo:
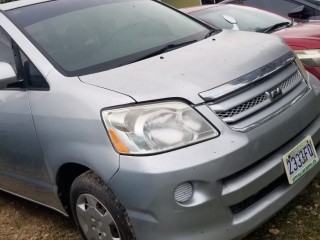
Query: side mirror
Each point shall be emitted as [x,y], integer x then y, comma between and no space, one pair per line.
[300,12]
[232,21]
[7,75]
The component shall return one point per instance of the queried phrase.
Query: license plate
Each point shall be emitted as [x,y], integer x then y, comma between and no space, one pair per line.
[300,159]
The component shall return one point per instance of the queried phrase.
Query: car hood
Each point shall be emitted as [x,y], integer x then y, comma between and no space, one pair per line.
[305,35]
[187,71]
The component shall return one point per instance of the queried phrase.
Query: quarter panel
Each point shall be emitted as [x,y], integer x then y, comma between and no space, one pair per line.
[69,125]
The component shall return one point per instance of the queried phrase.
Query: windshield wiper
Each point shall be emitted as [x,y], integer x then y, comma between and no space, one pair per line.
[211,32]
[165,49]
[276,26]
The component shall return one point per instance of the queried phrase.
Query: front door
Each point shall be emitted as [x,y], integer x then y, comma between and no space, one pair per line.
[22,167]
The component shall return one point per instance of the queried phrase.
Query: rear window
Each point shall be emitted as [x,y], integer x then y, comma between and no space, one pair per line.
[317,2]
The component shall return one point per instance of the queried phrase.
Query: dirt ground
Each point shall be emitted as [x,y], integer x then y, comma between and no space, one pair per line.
[22,220]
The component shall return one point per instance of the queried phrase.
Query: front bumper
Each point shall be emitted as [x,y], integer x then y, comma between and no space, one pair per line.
[238,178]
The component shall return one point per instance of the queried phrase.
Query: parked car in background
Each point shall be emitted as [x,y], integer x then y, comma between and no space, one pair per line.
[303,37]
[303,9]
[144,123]
[188,3]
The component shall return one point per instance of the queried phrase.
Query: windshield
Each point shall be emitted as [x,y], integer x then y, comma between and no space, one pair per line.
[83,36]
[249,19]
[317,2]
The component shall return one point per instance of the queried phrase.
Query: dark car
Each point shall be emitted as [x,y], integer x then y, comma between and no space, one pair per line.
[210,1]
[303,9]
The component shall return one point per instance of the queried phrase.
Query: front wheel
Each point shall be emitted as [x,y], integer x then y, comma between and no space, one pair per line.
[97,211]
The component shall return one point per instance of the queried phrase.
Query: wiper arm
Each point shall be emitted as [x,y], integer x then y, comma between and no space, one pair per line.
[211,32]
[165,49]
[277,25]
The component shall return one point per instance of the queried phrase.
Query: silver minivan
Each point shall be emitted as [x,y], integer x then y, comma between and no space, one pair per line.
[141,122]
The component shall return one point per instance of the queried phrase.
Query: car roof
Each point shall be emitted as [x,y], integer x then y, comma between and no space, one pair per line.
[21,3]
[198,8]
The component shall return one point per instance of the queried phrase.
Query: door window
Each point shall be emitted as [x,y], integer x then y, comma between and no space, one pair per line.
[282,7]
[6,52]
[28,76]
[9,56]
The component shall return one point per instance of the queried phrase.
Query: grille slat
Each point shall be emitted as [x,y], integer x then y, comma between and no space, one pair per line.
[259,99]
[243,107]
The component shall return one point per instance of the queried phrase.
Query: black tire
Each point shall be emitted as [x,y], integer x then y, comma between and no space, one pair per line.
[90,197]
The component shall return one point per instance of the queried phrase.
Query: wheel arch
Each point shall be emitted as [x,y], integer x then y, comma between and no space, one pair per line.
[66,174]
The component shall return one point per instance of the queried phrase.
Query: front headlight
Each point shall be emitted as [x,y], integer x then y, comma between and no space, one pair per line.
[310,57]
[154,128]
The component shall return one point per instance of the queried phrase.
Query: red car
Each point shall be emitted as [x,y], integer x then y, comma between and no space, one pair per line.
[303,37]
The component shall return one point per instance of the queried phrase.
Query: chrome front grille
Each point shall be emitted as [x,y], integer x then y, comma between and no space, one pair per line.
[242,107]
[246,103]
[259,99]
[286,83]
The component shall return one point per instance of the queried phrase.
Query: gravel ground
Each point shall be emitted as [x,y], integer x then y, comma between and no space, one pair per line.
[20,219]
